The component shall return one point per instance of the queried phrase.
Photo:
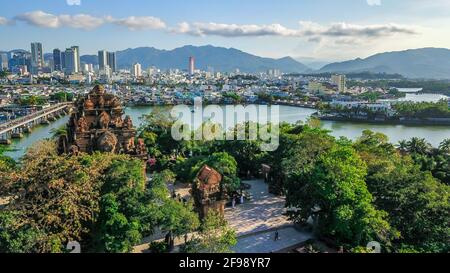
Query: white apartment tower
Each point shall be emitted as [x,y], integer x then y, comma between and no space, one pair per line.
[137,70]
[340,82]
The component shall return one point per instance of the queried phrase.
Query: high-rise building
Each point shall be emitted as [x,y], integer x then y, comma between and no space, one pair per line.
[191,65]
[70,61]
[3,61]
[340,82]
[102,59]
[57,64]
[37,58]
[76,50]
[19,60]
[112,61]
[63,60]
[137,70]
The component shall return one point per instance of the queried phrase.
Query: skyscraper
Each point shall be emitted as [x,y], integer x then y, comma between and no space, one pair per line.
[76,50]
[137,70]
[57,65]
[37,58]
[63,60]
[3,61]
[102,59]
[112,62]
[191,65]
[340,82]
[71,65]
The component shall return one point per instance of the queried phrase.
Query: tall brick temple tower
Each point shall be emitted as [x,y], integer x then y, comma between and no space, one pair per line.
[96,124]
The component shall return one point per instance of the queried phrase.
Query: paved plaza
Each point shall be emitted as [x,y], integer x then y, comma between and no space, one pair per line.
[255,222]
[264,212]
[264,242]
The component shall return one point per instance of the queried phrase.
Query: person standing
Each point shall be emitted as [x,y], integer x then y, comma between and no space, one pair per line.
[277,235]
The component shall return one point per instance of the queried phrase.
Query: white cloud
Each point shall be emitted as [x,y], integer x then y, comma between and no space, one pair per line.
[4,21]
[140,23]
[234,30]
[73,2]
[310,30]
[39,19]
[47,20]
[82,21]
[88,22]
[374,2]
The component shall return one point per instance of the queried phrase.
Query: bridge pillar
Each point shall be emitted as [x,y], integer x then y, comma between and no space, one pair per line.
[4,140]
[44,121]
[27,128]
[51,118]
[17,133]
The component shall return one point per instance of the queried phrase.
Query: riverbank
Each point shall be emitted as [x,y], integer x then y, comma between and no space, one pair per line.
[395,121]
[292,104]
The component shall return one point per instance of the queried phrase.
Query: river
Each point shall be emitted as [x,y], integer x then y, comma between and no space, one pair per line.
[433,134]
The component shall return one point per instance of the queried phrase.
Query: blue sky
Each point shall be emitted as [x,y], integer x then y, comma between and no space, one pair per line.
[320,29]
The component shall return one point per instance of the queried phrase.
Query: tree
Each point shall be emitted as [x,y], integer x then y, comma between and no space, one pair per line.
[99,200]
[214,237]
[335,189]
[6,162]
[169,214]
[58,132]
[418,205]
[445,146]
[418,146]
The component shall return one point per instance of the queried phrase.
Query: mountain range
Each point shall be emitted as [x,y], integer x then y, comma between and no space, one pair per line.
[218,58]
[427,63]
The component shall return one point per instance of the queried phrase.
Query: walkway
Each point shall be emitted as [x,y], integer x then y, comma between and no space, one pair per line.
[264,212]
[265,243]
[255,222]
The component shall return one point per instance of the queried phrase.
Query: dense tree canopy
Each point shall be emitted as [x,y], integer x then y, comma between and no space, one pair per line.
[102,201]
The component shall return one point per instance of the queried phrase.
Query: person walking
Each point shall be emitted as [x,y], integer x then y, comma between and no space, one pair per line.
[277,235]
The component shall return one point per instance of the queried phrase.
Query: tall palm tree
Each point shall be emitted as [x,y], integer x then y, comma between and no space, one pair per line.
[403,146]
[445,146]
[57,132]
[419,146]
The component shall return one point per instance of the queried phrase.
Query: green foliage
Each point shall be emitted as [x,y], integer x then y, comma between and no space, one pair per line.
[423,109]
[336,187]
[62,96]
[6,162]
[170,214]
[214,237]
[32,100]
[158,247]
[417,203]
[100,200]
[121,204]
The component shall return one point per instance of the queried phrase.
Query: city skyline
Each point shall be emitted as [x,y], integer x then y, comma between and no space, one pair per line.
[297,29]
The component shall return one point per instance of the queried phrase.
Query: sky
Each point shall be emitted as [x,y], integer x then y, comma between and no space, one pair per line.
[326,30]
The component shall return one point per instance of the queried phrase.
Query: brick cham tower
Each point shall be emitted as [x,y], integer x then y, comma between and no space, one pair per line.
[96,124]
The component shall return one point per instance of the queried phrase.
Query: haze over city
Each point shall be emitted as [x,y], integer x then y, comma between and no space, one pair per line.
[322,30]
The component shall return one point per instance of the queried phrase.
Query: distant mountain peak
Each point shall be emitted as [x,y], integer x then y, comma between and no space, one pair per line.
[430,63]
[206,56]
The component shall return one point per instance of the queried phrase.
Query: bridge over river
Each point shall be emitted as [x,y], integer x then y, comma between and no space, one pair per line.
[15,128]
